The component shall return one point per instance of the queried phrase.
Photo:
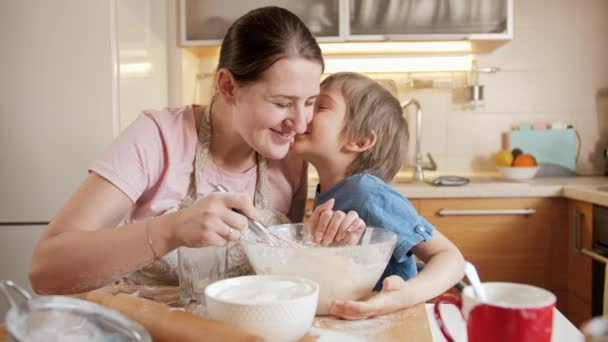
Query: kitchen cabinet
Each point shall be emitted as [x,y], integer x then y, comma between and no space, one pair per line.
[580,220]
[429,20]
[508,239]
[204,22]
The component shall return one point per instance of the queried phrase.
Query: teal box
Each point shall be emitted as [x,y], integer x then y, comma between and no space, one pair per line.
[551,148]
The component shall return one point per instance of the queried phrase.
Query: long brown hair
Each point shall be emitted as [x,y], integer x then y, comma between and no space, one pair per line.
[263,36]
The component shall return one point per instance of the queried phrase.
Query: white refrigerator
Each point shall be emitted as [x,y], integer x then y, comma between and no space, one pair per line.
[70,80]
[57,113]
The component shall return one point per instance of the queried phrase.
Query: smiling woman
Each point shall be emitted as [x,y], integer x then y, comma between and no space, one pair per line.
[152,181]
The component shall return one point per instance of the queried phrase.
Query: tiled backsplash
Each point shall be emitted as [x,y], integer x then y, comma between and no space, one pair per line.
[555,69]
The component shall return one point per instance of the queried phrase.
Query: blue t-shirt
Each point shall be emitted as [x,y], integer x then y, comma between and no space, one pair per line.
[379,205]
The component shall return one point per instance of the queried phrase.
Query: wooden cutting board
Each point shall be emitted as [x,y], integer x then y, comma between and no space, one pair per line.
[165,323]
[409,324]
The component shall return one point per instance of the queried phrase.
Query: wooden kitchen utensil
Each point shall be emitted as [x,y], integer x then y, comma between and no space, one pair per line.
[165,323]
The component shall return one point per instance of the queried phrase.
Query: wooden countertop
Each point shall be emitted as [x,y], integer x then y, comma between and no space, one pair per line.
[588,189]
[409,324]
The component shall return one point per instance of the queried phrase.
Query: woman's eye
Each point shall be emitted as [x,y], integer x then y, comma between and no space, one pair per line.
[309,103]
[282,105]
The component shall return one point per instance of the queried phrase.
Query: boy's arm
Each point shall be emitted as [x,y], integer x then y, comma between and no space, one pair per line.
[444,267]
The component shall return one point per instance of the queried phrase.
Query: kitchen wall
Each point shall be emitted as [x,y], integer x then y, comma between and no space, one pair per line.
[555,69]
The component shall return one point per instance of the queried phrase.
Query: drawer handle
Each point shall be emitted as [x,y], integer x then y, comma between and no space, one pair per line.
[448,212]
[576,218]
[593,255]
[577,215]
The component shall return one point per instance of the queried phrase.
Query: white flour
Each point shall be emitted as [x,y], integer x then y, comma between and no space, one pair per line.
[59,326]
[266,292]
[342,273]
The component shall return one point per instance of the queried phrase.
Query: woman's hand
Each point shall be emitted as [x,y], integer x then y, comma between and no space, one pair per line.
[390,299]
[328,226]
[212,221]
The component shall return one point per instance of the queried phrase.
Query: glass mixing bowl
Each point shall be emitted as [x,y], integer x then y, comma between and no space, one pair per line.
[343,272]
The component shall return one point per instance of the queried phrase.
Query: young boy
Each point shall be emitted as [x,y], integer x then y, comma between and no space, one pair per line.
[357,141]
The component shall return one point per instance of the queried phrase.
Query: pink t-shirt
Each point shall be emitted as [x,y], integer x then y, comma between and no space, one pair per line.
[152,162]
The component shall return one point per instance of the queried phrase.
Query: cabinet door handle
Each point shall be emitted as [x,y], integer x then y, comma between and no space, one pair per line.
[576,218]
[448,212]
[594,255]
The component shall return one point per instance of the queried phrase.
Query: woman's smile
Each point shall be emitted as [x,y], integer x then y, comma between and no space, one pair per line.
[282,137]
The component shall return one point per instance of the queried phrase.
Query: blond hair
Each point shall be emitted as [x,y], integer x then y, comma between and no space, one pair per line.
[369,106]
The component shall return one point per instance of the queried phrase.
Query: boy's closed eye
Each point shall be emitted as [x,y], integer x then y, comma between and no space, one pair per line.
[323,103]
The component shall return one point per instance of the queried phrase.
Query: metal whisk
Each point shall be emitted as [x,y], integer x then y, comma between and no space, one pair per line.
[258,228]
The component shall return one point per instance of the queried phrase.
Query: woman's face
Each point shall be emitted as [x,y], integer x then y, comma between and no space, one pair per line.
[268,113]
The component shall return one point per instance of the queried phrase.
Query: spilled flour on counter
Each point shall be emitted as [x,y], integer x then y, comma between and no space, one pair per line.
[372,328]
[197,309]
[377,323]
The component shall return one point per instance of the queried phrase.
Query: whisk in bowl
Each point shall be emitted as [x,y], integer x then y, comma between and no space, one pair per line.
[262,232]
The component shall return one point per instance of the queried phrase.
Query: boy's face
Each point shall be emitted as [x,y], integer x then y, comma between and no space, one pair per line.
[323,138]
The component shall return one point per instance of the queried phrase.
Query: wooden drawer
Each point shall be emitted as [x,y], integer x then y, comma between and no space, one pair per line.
[505,245]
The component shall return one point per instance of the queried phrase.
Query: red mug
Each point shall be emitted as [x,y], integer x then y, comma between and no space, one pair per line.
[512,313]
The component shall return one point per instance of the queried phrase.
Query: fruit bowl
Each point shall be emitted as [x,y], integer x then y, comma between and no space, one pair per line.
[342,272]
[518,173]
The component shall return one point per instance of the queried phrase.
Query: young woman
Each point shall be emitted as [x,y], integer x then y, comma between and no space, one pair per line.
[152,183]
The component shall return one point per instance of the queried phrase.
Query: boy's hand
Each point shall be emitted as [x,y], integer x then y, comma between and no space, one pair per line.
[327,226]
[389,299]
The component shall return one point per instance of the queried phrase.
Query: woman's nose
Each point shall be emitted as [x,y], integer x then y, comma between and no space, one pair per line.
[299,120]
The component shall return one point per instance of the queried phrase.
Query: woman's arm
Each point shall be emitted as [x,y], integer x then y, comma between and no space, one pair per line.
[78,252]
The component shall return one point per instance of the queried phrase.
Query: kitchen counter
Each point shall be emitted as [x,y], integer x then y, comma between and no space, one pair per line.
[160,310]
[587,189]
[399,326]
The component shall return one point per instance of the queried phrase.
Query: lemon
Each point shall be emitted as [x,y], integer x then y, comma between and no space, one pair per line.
[503,158]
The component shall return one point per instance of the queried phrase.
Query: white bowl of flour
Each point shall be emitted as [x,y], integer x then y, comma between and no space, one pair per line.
[342,272]
[276,308]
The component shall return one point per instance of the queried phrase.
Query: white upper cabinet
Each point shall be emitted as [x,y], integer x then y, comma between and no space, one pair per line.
[429,19]
[204,22]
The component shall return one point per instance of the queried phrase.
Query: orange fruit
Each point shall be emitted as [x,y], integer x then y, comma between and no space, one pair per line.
[524,160]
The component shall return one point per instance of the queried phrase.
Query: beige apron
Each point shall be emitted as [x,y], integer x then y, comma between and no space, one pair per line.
[164,270]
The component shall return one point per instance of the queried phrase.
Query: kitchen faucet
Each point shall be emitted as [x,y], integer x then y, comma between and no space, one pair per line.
[418,167]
